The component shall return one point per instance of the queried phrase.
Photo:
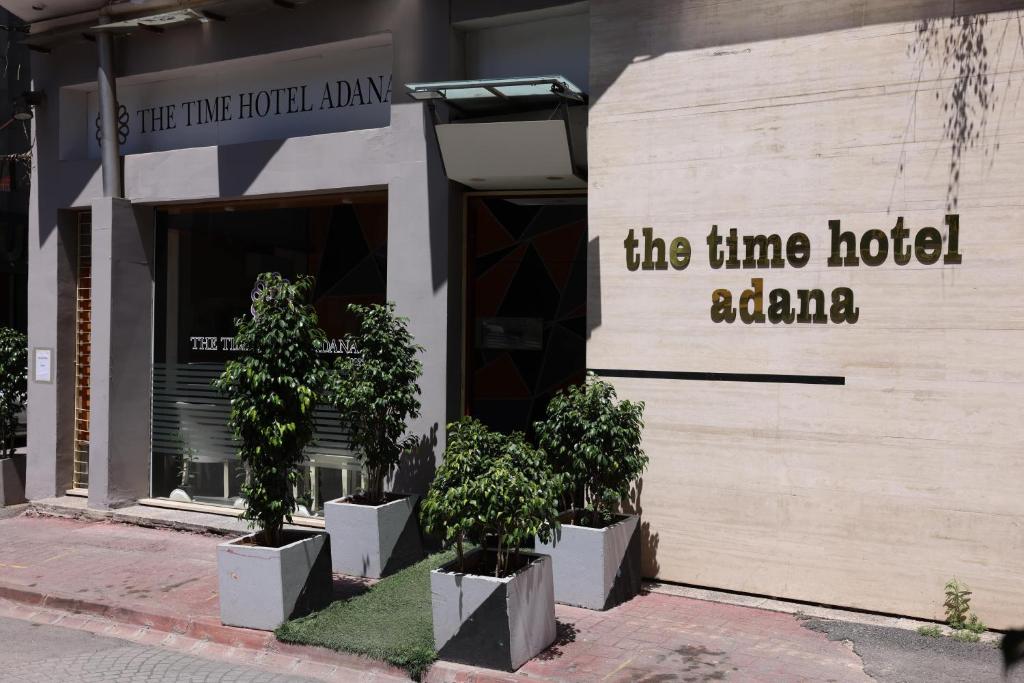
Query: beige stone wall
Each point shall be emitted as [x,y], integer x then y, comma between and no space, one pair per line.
[776,116]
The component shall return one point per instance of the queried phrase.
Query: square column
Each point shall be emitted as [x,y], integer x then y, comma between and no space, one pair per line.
[122,353]
[51,325]
[419,197]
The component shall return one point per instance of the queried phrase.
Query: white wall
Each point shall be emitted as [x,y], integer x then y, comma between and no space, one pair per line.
[776,116]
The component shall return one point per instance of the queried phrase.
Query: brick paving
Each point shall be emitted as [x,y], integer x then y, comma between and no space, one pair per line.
[657,638]
[151,585]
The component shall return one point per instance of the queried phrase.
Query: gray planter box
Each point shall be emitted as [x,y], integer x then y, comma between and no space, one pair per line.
[595,568]
[12,480]
[496,623]
[373,540]
[263,587]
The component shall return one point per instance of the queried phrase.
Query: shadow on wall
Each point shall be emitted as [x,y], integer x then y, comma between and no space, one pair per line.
[649,540]
[238,166]
[665,27]
[964,54]
[967,52]
[593,285]
[417,467]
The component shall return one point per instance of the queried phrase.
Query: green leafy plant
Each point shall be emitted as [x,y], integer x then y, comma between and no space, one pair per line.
[13,385]
[274,387]
[965,636]
[930,631]
[492,486]
[376,391]
[450,509]
[594,441]
[975,625]
[958,605]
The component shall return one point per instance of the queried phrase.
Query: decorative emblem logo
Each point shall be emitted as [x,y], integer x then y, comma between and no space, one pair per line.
[122,126]
[262,293]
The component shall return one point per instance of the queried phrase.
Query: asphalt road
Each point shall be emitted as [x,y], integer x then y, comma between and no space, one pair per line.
[894,655]
[31,653]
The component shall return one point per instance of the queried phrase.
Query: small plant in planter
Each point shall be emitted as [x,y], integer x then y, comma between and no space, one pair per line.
[274,574]
[593,441]
[492,606]
[13,395]
[376,392]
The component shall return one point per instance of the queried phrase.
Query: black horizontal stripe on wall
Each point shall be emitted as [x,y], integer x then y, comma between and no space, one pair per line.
[721,376]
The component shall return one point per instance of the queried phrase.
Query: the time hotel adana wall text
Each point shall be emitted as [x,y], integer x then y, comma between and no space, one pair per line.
[830,195]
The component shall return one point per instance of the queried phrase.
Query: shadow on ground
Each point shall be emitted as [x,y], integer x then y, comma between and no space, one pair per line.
[347,587]
[565,633]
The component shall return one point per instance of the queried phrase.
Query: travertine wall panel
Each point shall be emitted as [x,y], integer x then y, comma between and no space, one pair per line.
[777,116]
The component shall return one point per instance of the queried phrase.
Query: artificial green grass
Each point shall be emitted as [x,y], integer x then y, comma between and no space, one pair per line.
[391,622]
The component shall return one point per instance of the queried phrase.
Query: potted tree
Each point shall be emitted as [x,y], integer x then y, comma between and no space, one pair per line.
[274,574]
[593,441]
[13,394]
[492,606]
[375,390]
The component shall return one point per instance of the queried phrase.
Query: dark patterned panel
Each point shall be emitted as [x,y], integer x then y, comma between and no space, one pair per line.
[526,262]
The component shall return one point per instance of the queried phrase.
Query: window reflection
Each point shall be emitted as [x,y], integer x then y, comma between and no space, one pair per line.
[208,259]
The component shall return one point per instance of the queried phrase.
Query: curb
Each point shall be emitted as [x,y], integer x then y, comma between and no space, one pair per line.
[38,509]
[450,672]
[200,630]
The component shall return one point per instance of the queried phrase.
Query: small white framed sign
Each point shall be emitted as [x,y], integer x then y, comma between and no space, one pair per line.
[42,365]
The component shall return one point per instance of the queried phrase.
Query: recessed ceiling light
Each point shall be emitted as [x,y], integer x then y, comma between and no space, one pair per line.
[39,6]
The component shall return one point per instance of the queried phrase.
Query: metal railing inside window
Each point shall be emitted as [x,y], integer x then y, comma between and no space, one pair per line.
[195,457]
[83,351]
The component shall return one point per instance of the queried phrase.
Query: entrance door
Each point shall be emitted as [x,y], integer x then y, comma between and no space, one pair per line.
[526,305]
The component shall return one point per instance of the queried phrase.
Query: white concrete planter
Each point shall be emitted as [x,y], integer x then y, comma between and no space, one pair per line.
[373,540]
[491,622]
[12,480]
[263,587]
[595,568]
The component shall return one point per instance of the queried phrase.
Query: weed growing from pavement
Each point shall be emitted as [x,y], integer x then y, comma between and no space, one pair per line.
[958,611]
[966,626]
[958,603]
[391,622]
[965,636]
[975,625]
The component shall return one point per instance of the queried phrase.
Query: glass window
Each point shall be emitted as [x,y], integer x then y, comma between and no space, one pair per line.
[208,259]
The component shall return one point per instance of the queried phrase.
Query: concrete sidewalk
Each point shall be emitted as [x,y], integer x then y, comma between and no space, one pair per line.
[156,585]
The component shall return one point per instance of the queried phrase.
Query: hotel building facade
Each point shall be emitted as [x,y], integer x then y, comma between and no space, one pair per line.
[788,226]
